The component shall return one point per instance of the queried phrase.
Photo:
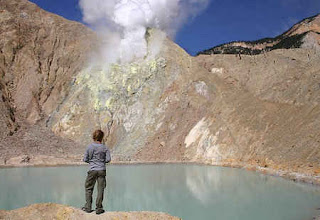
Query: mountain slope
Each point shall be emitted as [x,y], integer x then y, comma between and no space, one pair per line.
[39,54]
[305,34]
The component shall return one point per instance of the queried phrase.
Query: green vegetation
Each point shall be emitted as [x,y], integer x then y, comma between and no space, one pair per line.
[282,41]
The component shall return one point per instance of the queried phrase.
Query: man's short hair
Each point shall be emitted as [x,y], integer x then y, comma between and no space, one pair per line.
[98,135]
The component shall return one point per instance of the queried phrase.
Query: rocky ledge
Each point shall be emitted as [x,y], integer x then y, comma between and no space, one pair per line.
[57,211]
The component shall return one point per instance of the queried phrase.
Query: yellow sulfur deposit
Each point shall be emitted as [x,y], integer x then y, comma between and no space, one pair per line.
[120,81]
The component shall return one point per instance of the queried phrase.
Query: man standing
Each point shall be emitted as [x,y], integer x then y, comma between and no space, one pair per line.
[97,155]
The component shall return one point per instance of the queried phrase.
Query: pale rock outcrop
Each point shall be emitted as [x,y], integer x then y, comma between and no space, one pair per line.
[56,212]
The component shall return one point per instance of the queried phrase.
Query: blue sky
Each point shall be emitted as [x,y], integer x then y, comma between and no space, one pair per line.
[223,21]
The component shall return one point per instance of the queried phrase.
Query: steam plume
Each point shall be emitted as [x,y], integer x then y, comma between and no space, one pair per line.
[126,22]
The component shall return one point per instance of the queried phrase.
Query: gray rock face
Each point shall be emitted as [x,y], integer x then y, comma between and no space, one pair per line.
[260,112]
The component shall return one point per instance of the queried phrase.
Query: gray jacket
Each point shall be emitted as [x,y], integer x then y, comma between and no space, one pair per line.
[97,155]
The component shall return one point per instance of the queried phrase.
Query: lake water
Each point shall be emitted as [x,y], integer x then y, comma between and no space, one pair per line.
[188,191]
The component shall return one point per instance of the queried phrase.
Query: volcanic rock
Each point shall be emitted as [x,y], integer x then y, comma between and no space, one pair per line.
[56,211]
[39,54]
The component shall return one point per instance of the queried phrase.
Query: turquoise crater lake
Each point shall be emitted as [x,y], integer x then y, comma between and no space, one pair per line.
[188,191]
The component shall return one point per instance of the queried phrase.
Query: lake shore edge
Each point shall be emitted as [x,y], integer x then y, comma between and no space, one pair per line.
[74,160]
[59,211]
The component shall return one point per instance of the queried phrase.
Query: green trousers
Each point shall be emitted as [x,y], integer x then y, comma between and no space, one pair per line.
[93,177]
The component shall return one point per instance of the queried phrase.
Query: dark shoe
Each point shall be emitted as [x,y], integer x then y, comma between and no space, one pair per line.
[86,210]
[99,211]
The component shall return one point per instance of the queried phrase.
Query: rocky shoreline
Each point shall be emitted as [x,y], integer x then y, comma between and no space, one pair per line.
[75,160]
[58,211]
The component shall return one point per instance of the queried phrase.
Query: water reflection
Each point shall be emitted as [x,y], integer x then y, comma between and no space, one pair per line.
[202,183]
[188,191]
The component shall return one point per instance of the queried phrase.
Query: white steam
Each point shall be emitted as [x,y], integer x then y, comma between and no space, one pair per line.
[124,22]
